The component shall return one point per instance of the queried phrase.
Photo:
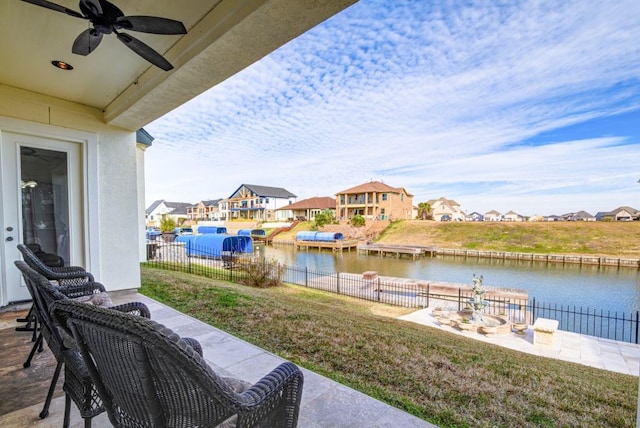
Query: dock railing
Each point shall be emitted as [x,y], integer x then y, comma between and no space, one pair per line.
[405,292]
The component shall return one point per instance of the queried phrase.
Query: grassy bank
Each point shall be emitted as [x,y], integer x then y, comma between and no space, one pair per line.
[449,380]
[616,239]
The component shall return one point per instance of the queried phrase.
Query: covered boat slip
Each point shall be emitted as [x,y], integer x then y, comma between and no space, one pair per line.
[215,245]
[320,240]
[211,229]
[252,232]
[259,236]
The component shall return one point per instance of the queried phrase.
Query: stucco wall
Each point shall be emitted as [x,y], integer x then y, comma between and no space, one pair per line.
[113,172]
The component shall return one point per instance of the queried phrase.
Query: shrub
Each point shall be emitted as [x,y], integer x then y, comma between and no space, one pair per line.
[263,274]
[358,221]
[324,218]
[167,224]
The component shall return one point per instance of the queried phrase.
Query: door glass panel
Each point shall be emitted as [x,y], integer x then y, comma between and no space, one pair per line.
[45,203]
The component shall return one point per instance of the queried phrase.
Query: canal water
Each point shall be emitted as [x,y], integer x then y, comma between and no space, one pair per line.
[604,288]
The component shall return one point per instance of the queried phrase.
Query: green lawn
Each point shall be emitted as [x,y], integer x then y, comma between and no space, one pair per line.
[616,239]
[446,379]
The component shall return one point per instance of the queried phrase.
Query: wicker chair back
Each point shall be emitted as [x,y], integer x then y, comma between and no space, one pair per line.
[64,275]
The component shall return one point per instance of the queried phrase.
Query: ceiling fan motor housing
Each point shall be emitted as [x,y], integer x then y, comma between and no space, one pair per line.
[104,23]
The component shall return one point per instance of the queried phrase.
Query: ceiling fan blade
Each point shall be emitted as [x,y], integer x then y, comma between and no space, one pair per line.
[92,5]
[56,7]
[151,24]
[144,51]
[86,42]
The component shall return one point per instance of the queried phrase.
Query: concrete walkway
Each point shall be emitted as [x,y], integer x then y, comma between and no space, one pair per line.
[621,357]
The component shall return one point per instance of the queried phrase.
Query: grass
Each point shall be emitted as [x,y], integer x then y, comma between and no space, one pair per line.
[616,239]
[446,379]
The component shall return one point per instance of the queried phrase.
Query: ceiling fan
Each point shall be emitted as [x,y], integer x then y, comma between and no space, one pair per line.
[107,18]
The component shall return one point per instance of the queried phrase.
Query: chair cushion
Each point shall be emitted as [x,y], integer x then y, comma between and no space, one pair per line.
[239,386]
[97,299]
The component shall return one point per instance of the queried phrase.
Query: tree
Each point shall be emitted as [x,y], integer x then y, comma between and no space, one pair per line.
[324,218]
[424,210]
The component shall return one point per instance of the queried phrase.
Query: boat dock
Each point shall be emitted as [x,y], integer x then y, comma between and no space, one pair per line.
[337,245]
[398,250]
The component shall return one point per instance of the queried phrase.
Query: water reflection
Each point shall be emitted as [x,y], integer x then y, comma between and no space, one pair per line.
[602,287]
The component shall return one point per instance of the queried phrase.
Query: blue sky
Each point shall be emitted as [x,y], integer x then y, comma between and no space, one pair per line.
[525,106]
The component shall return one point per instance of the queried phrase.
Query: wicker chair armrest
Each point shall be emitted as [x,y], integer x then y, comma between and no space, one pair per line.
[72,291]
[283,384]
[133,308]
[193,343]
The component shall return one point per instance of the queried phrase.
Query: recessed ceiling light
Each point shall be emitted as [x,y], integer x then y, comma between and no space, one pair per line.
[62,65]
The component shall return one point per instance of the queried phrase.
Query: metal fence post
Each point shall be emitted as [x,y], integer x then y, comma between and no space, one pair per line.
[428,294]
[338,282]
[187,252]
[306,276]
[533,311]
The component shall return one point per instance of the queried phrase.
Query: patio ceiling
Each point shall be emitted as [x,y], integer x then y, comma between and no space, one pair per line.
[223,37]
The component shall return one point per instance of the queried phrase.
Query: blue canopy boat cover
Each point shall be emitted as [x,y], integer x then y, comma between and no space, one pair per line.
[216,245]
[212,229]
[319,236]
[252,232]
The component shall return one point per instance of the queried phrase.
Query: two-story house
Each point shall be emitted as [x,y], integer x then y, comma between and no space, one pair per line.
[492,215]
[252,202]
[474,216]
[205,211]
[375,200]
[175,210]
[446,207]
[513,216]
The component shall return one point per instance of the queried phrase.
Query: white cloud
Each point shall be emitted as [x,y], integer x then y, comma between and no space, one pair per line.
[442,100]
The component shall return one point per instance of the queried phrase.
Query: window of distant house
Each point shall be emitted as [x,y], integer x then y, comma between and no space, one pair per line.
[384,196]
[382,211]
[266,200]
[342,199]
[402,196]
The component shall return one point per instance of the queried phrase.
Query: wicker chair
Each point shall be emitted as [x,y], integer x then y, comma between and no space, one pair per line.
[64,275]
[78,385]
[84,291]
[148,377]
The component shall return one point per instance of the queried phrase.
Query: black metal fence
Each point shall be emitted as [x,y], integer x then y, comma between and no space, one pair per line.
[231,266]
